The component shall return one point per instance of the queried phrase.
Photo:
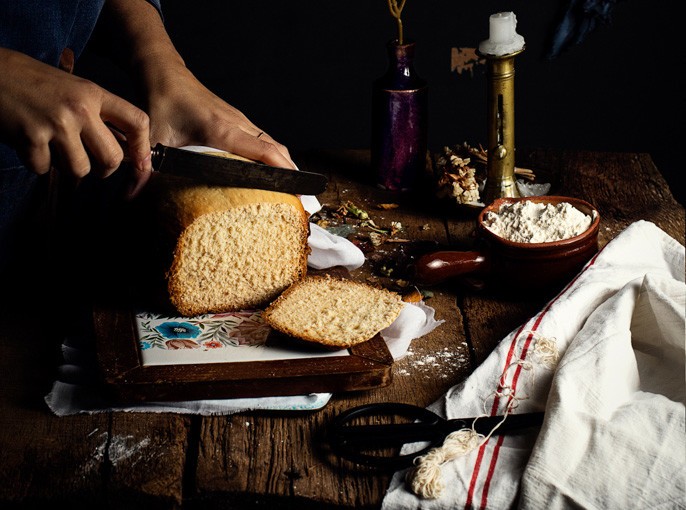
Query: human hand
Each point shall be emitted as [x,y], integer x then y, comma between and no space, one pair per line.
[184,112]
[53,118]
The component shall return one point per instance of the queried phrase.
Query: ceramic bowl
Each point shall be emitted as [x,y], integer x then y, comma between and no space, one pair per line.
[503,263]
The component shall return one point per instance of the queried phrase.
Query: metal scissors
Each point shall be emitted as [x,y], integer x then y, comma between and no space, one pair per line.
[352,436]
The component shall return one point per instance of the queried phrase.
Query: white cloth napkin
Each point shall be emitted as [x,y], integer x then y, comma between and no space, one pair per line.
[330,250]
[613,434]
[75,390]
[415,320]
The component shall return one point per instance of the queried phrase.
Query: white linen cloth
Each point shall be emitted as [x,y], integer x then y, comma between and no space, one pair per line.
[330,250]
[75,390]
[613,434]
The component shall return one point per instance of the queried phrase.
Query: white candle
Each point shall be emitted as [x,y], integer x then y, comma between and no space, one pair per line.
[503,38]
[502,27]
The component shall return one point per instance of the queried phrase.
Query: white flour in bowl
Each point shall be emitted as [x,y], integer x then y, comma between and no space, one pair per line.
[530,222]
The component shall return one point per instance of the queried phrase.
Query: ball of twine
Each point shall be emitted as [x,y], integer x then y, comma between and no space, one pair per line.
[425,478]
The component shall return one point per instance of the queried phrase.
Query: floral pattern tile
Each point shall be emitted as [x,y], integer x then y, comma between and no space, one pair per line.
[211,331]
[211,338]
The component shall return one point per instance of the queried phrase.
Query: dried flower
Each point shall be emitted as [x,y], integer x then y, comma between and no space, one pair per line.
[376,238]
[396,9]
[351,208]
[460,170]
[458,174]
[412,296]
[386,207]
[396,226]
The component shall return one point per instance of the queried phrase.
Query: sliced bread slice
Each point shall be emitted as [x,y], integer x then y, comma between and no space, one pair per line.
[334,312]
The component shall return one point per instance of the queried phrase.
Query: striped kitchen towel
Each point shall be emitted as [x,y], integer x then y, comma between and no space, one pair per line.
[605,360]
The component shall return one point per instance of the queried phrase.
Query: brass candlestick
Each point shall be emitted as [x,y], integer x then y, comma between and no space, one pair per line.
[499,51]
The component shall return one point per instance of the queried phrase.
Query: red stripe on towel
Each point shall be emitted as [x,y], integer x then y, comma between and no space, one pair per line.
[496,400]
[501,438]
[494,408]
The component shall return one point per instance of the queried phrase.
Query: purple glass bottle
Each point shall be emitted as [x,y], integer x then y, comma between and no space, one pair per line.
[399,121]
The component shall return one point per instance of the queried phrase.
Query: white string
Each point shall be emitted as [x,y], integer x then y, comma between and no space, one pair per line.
[545,350]
[425,479]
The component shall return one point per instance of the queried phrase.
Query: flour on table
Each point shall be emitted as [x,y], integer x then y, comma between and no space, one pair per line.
[530,222]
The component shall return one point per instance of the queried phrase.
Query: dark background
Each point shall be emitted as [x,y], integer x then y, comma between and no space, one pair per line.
[303,70]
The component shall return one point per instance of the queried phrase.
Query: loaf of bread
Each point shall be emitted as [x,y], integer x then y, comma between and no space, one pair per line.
[334,312]
[231,248]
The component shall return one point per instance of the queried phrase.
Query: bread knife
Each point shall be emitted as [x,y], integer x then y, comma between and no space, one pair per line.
[222,171]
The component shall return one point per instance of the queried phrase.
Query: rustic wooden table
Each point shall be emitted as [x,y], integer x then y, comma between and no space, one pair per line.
[273,459]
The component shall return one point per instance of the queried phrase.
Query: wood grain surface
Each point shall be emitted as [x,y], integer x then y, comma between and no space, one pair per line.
[276,459]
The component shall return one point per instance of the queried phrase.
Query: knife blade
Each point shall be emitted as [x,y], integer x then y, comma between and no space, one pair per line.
[221,171]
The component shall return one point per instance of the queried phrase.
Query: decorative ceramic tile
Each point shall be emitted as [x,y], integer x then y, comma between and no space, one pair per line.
[213,338]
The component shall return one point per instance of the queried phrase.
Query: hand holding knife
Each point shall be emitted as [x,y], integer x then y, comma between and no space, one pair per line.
[222,171]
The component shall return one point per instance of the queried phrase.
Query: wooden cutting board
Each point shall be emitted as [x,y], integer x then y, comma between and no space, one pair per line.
[149,357]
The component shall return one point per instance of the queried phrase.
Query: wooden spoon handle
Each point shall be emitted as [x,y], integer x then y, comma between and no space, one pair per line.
[439,266]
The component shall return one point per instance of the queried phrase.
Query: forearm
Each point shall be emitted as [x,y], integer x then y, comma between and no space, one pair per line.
[182,110]
[136,35]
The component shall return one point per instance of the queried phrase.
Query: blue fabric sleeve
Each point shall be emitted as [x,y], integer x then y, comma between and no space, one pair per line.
[43,29]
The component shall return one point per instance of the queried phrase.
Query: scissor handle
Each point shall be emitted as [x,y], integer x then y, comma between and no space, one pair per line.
[350,440]
[427,426]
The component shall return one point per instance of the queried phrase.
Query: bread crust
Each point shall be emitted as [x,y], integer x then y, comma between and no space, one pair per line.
[181,201]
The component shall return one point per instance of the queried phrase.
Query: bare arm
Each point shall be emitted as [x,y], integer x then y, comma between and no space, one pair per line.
[182,111]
